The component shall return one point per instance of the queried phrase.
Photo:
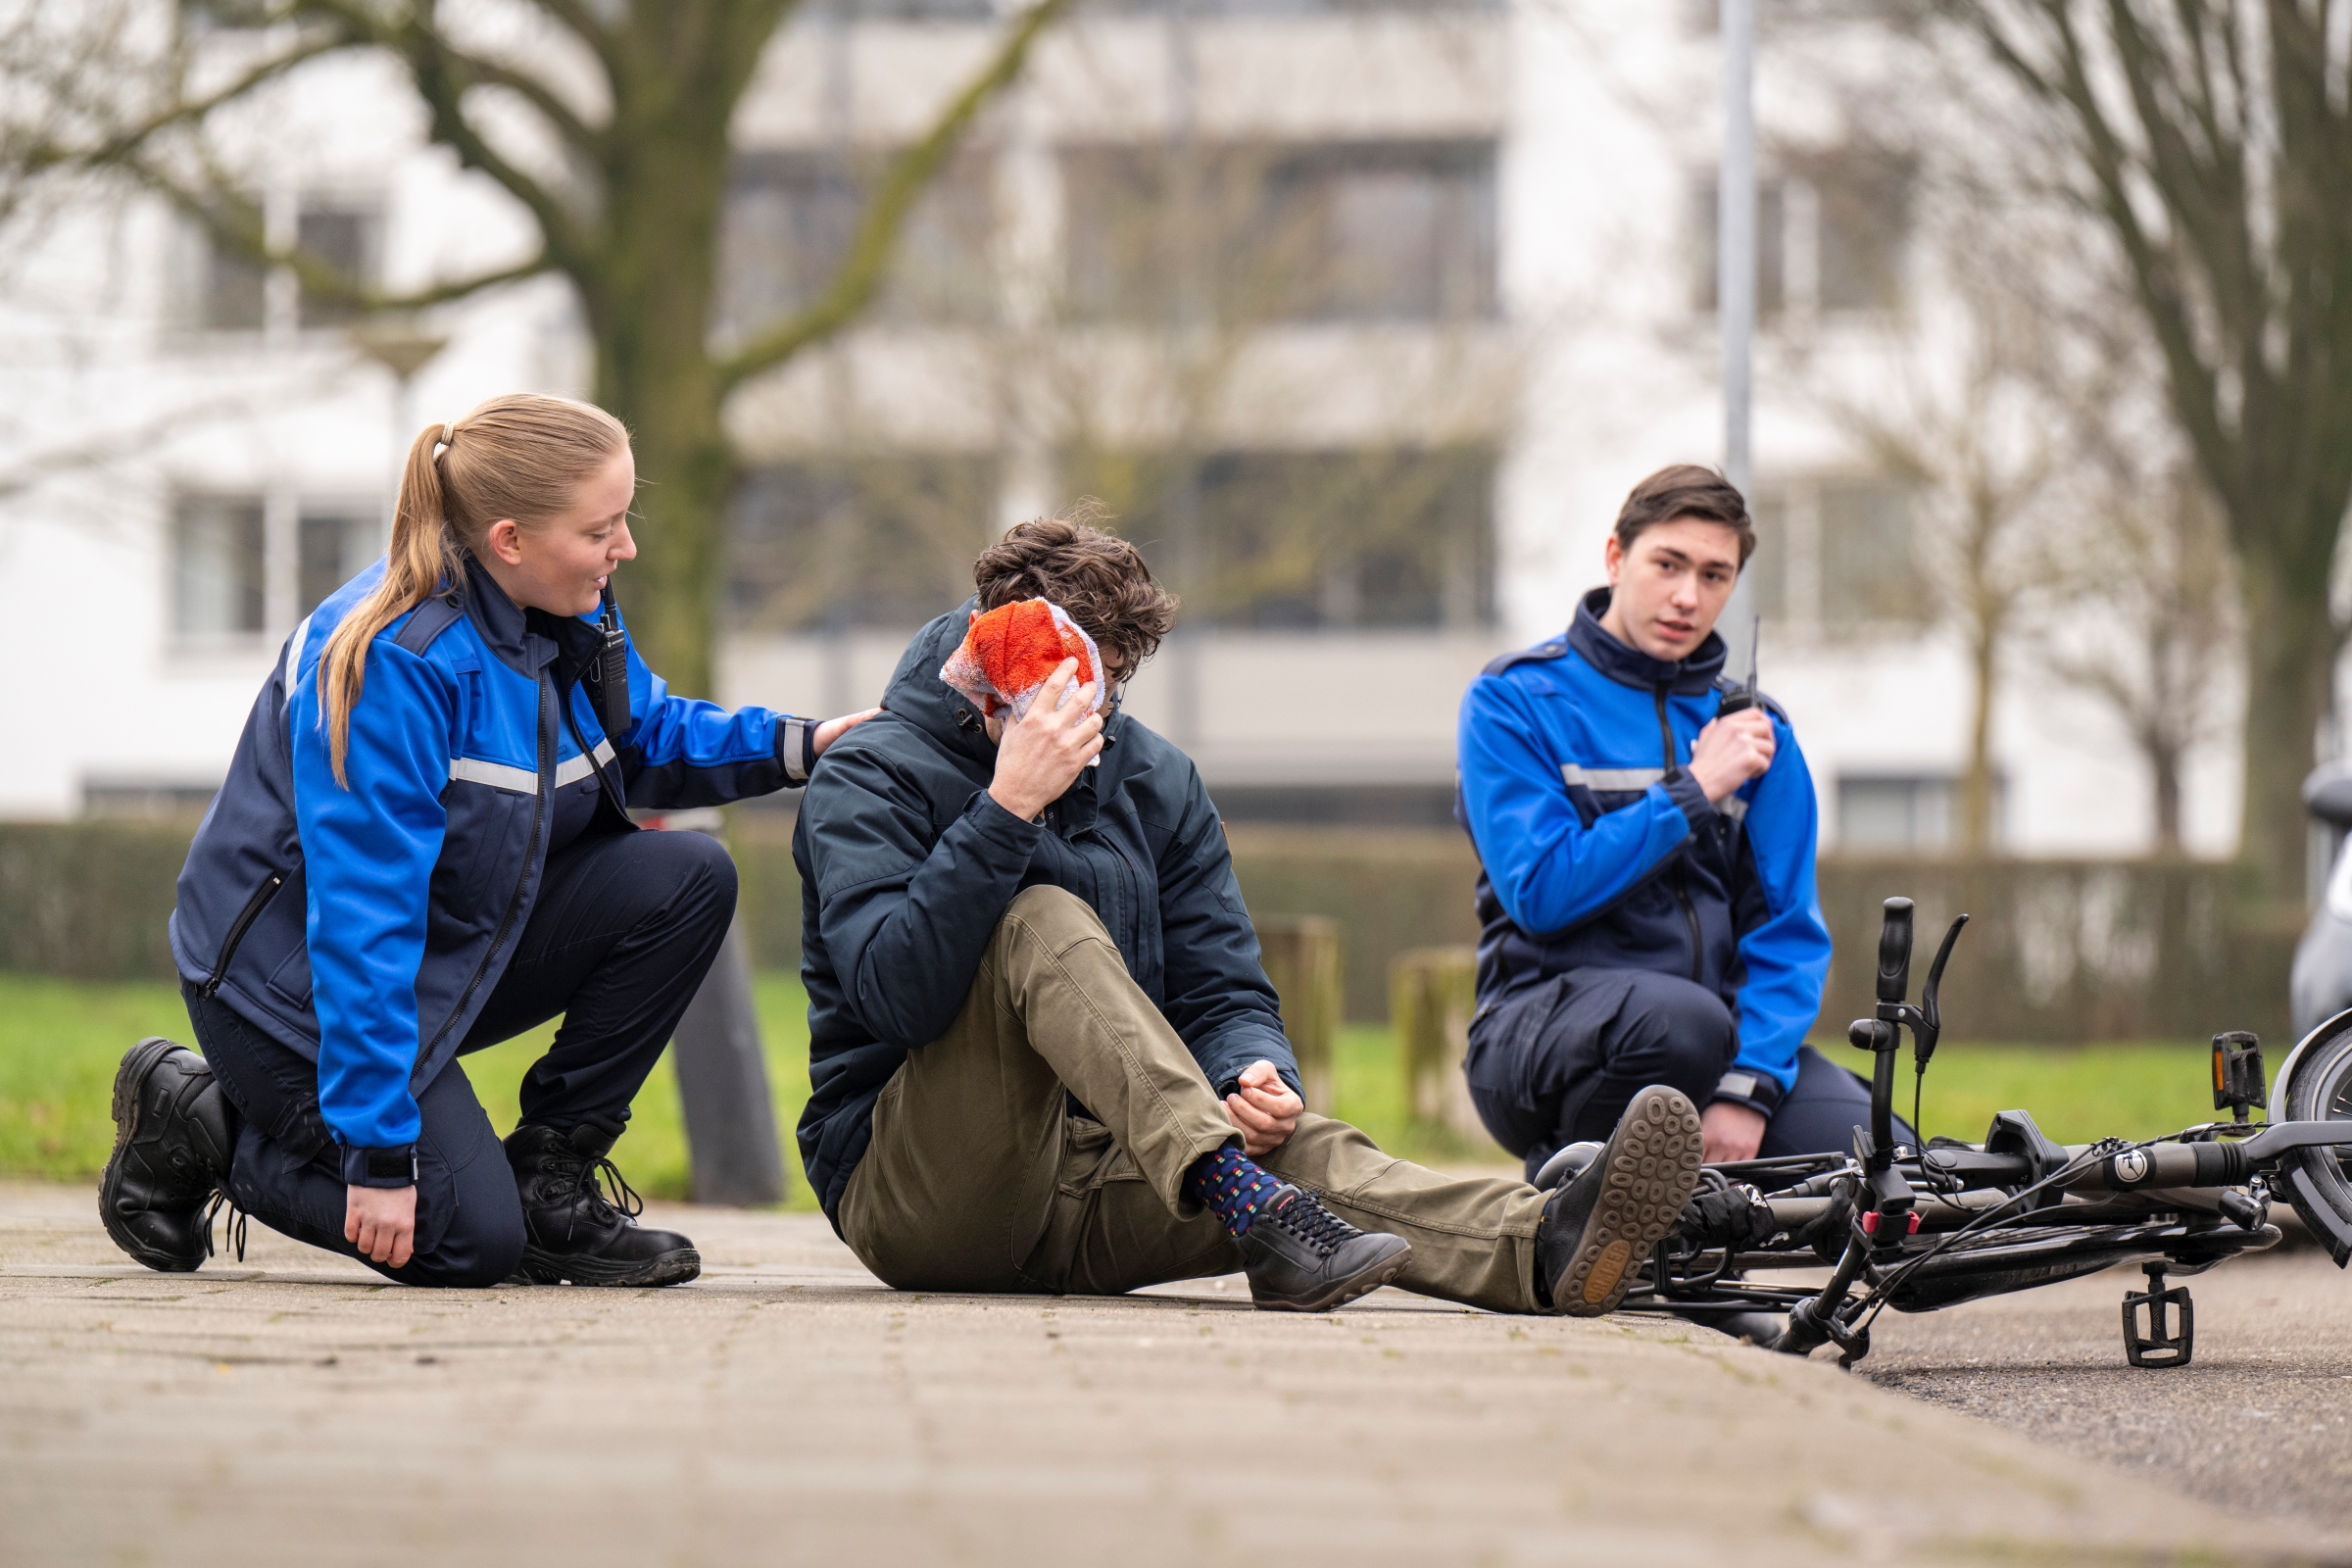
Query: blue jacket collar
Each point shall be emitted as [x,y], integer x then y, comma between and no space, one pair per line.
[525,640]
[1630,666]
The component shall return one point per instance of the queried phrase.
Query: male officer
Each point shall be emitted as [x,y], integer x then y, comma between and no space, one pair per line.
[1646,883]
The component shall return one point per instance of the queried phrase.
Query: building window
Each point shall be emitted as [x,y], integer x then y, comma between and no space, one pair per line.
[1890,814]
[1836,554]
[1868,573]
[347,239]
[219,568]
[882,542]
[1832,231]
[227,290]
[1358,233]
[1395,539]
[232,289]
[330,548]
[1772,245]
[790,218]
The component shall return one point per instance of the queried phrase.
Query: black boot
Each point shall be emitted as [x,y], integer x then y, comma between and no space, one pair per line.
[1302,1257]
[570,1232]
[1598,1228]
[173,1139]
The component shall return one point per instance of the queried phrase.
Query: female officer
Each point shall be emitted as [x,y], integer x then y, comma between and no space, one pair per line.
[424,848]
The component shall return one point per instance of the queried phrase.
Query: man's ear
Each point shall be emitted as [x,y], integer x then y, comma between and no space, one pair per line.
[1613,558]
[505,540]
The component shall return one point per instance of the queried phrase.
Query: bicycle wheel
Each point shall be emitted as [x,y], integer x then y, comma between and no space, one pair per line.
[2318,1088]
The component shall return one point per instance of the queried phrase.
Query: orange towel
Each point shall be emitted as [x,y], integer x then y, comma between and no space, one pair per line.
[1009,652]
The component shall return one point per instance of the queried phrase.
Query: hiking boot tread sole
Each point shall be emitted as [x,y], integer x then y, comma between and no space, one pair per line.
[544,1268]
[1652,1170]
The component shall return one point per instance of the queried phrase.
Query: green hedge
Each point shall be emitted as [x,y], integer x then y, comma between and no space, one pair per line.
[89,900]
[2059,950]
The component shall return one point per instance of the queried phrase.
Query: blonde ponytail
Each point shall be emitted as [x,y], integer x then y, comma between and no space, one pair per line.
[521,457]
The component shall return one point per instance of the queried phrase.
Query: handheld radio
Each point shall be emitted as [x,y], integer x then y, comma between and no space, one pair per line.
[609,672]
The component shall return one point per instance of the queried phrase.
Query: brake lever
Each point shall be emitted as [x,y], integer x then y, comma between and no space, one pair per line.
[1928,1028]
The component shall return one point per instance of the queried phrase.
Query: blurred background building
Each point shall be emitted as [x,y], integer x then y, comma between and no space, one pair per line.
[1360,317]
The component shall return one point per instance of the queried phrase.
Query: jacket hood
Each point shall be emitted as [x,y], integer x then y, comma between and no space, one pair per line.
[918,695]
[1629,665]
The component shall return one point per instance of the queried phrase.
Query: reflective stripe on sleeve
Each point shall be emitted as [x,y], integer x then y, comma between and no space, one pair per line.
[1612,778]
[497,775]
[572,769]
[796,748]
[293,661]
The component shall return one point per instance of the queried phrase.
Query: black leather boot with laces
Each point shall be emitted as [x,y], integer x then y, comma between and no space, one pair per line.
[173,1134]
[1302,1257]
[571,1232]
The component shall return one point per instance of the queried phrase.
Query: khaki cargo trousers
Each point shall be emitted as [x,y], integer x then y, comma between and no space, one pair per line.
[980,1178]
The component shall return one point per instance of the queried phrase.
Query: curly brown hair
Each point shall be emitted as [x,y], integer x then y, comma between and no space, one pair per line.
[1096,575]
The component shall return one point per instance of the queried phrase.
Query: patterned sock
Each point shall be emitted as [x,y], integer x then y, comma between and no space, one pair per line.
[1230,1183]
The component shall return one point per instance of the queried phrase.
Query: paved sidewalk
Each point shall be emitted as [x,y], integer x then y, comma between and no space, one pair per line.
[788,1409]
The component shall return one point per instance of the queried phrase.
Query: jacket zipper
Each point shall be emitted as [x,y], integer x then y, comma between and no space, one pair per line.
[610,790]
[237,929]
[506,923]
[1682,890]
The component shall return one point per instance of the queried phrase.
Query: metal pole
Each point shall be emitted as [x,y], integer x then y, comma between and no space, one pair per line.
[1736,279]
[733,1151]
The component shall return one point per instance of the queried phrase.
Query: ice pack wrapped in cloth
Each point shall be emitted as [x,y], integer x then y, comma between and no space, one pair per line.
[1010,653]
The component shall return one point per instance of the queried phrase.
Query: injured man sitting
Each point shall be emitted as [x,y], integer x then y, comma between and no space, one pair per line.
[1043,1056]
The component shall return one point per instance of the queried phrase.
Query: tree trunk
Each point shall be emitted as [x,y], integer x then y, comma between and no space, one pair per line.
[651,313]
[2291,648]
[1976,786]
[2164,774]
[685,473]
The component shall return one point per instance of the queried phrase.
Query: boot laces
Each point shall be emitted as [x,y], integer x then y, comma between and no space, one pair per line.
[236,1221]
[1305,1217]
[593,1178]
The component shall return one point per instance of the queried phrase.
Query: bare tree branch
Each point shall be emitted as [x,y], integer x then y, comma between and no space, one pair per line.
[122,144]
[442,73]
[581,19]
[863,270]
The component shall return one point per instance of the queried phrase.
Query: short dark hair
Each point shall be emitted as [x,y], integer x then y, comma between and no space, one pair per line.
[1096,575]
[1686,490]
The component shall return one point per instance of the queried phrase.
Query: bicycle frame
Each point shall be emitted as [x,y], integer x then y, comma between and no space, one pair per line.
[1919,1230]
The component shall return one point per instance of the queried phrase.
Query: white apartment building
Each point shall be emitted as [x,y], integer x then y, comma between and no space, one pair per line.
[1363,318]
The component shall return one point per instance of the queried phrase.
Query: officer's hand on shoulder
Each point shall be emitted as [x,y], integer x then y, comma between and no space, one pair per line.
[833,729]
[1730,750]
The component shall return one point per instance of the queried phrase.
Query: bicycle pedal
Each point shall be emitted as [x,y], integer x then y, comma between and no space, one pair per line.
[2156,1348]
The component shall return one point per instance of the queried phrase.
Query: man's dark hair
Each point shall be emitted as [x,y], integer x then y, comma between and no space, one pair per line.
[1096,575]
[1686,490]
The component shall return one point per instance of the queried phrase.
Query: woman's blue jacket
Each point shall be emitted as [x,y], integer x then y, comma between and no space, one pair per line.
[366,927]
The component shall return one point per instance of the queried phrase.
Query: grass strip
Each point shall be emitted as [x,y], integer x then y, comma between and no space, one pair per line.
[60,1042]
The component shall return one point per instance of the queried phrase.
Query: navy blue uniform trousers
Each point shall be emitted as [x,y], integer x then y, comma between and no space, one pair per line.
[624,929]
[1557,1063]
